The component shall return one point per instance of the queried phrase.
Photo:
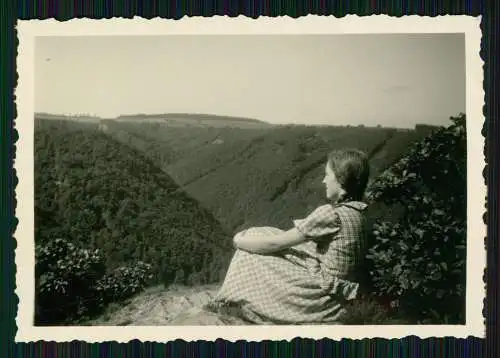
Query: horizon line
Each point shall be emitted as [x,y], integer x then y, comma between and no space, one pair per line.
[248,119]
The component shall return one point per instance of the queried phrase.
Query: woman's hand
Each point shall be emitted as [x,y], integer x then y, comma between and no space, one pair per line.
[266,244]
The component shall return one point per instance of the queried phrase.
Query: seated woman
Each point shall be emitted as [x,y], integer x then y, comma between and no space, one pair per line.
[307,274]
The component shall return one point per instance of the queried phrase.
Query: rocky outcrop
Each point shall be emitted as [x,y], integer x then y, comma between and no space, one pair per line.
[161,306]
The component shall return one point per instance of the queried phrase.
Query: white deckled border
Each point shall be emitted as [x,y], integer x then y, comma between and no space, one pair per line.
[476,256]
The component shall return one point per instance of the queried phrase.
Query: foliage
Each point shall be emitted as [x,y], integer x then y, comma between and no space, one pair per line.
[72,282]
[123,282]
[418,261]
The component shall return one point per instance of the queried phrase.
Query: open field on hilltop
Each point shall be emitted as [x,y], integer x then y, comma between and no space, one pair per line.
[195,120]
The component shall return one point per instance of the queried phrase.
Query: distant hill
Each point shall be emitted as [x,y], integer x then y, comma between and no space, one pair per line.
[170,119]
[195,120]
[100,193]
[84,118]
[256,176]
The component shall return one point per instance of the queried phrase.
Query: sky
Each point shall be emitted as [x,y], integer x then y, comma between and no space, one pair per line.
[394,80]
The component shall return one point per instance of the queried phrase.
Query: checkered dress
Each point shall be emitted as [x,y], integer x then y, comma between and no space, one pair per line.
[306,284]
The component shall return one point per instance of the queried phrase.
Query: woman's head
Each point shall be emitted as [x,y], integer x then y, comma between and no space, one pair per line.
[346,174]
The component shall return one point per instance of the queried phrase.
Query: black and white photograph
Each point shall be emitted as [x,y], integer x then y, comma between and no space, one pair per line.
[253,180]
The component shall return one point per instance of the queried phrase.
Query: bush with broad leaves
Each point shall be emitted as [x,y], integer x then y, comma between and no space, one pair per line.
[123,282]
[418,262]
[72,282]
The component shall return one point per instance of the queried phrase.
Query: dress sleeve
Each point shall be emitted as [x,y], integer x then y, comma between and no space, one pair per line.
[322,221]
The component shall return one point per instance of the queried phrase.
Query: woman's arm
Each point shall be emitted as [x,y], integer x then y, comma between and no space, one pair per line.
[266,244]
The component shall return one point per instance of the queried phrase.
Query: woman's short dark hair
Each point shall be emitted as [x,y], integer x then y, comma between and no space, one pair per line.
[352,169]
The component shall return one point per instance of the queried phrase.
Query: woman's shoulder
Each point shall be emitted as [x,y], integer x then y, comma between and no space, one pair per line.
[321,221]
[331,213]
[324,211]
[351,213]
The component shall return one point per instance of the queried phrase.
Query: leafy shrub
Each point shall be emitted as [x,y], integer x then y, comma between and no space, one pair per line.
[65,275]
[123,282]
[71,282]
[418,261]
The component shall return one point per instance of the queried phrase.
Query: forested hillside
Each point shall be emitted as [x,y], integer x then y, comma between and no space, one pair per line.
[94,193]
[260,175]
